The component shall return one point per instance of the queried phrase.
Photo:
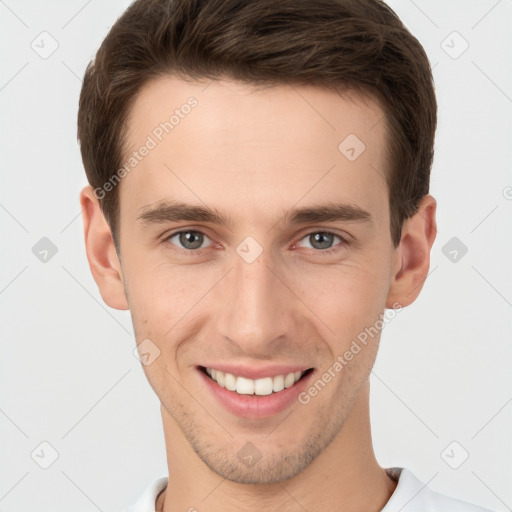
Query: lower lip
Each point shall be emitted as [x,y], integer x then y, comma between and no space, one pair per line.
[255,406]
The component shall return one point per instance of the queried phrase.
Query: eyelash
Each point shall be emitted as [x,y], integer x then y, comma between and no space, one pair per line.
[194,252]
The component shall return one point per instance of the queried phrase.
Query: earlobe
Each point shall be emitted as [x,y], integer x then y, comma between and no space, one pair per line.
[101,253]
[413,254]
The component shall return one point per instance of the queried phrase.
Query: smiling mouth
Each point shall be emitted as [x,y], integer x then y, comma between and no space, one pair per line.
[259,387]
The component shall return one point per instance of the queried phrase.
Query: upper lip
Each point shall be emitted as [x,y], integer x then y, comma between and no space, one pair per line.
[256,372]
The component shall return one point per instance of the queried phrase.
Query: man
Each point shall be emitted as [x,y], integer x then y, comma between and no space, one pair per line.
[259,177]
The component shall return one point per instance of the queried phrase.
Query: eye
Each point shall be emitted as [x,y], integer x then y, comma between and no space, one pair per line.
[193,240]
[189,240]
[323,240]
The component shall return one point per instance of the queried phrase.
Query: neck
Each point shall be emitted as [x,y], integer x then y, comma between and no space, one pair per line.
[345,476]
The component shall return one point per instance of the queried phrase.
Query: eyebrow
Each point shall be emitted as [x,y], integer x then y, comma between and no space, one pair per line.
[173,211]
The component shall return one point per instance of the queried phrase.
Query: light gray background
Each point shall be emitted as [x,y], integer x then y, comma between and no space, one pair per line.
[68,374]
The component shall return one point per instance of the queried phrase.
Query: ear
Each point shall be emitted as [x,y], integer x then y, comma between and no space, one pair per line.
[412,256]
[101,253]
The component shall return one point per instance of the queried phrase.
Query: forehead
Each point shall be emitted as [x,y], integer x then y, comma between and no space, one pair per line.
[226,105]
[229,142]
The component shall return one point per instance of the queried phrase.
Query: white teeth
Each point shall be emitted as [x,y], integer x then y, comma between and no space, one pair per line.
[244,386]
[289,380]
[278,384]
[261,387]
[230,382]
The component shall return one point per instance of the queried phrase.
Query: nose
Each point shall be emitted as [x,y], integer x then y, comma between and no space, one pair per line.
[255,306]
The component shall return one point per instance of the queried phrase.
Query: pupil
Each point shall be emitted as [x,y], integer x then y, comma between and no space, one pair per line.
[186,239]
[323,238]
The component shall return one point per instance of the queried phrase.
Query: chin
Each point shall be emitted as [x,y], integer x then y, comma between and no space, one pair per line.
[273,471]
[272,464]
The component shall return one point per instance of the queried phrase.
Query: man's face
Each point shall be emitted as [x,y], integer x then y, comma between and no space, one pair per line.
[264,295]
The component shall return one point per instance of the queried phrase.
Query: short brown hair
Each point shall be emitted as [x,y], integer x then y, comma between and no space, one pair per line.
[349,44]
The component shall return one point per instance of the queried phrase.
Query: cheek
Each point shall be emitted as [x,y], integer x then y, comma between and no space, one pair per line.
[167,301]
[157,289]
[347,297]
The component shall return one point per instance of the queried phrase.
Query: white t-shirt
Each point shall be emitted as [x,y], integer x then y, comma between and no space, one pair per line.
[411,495]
